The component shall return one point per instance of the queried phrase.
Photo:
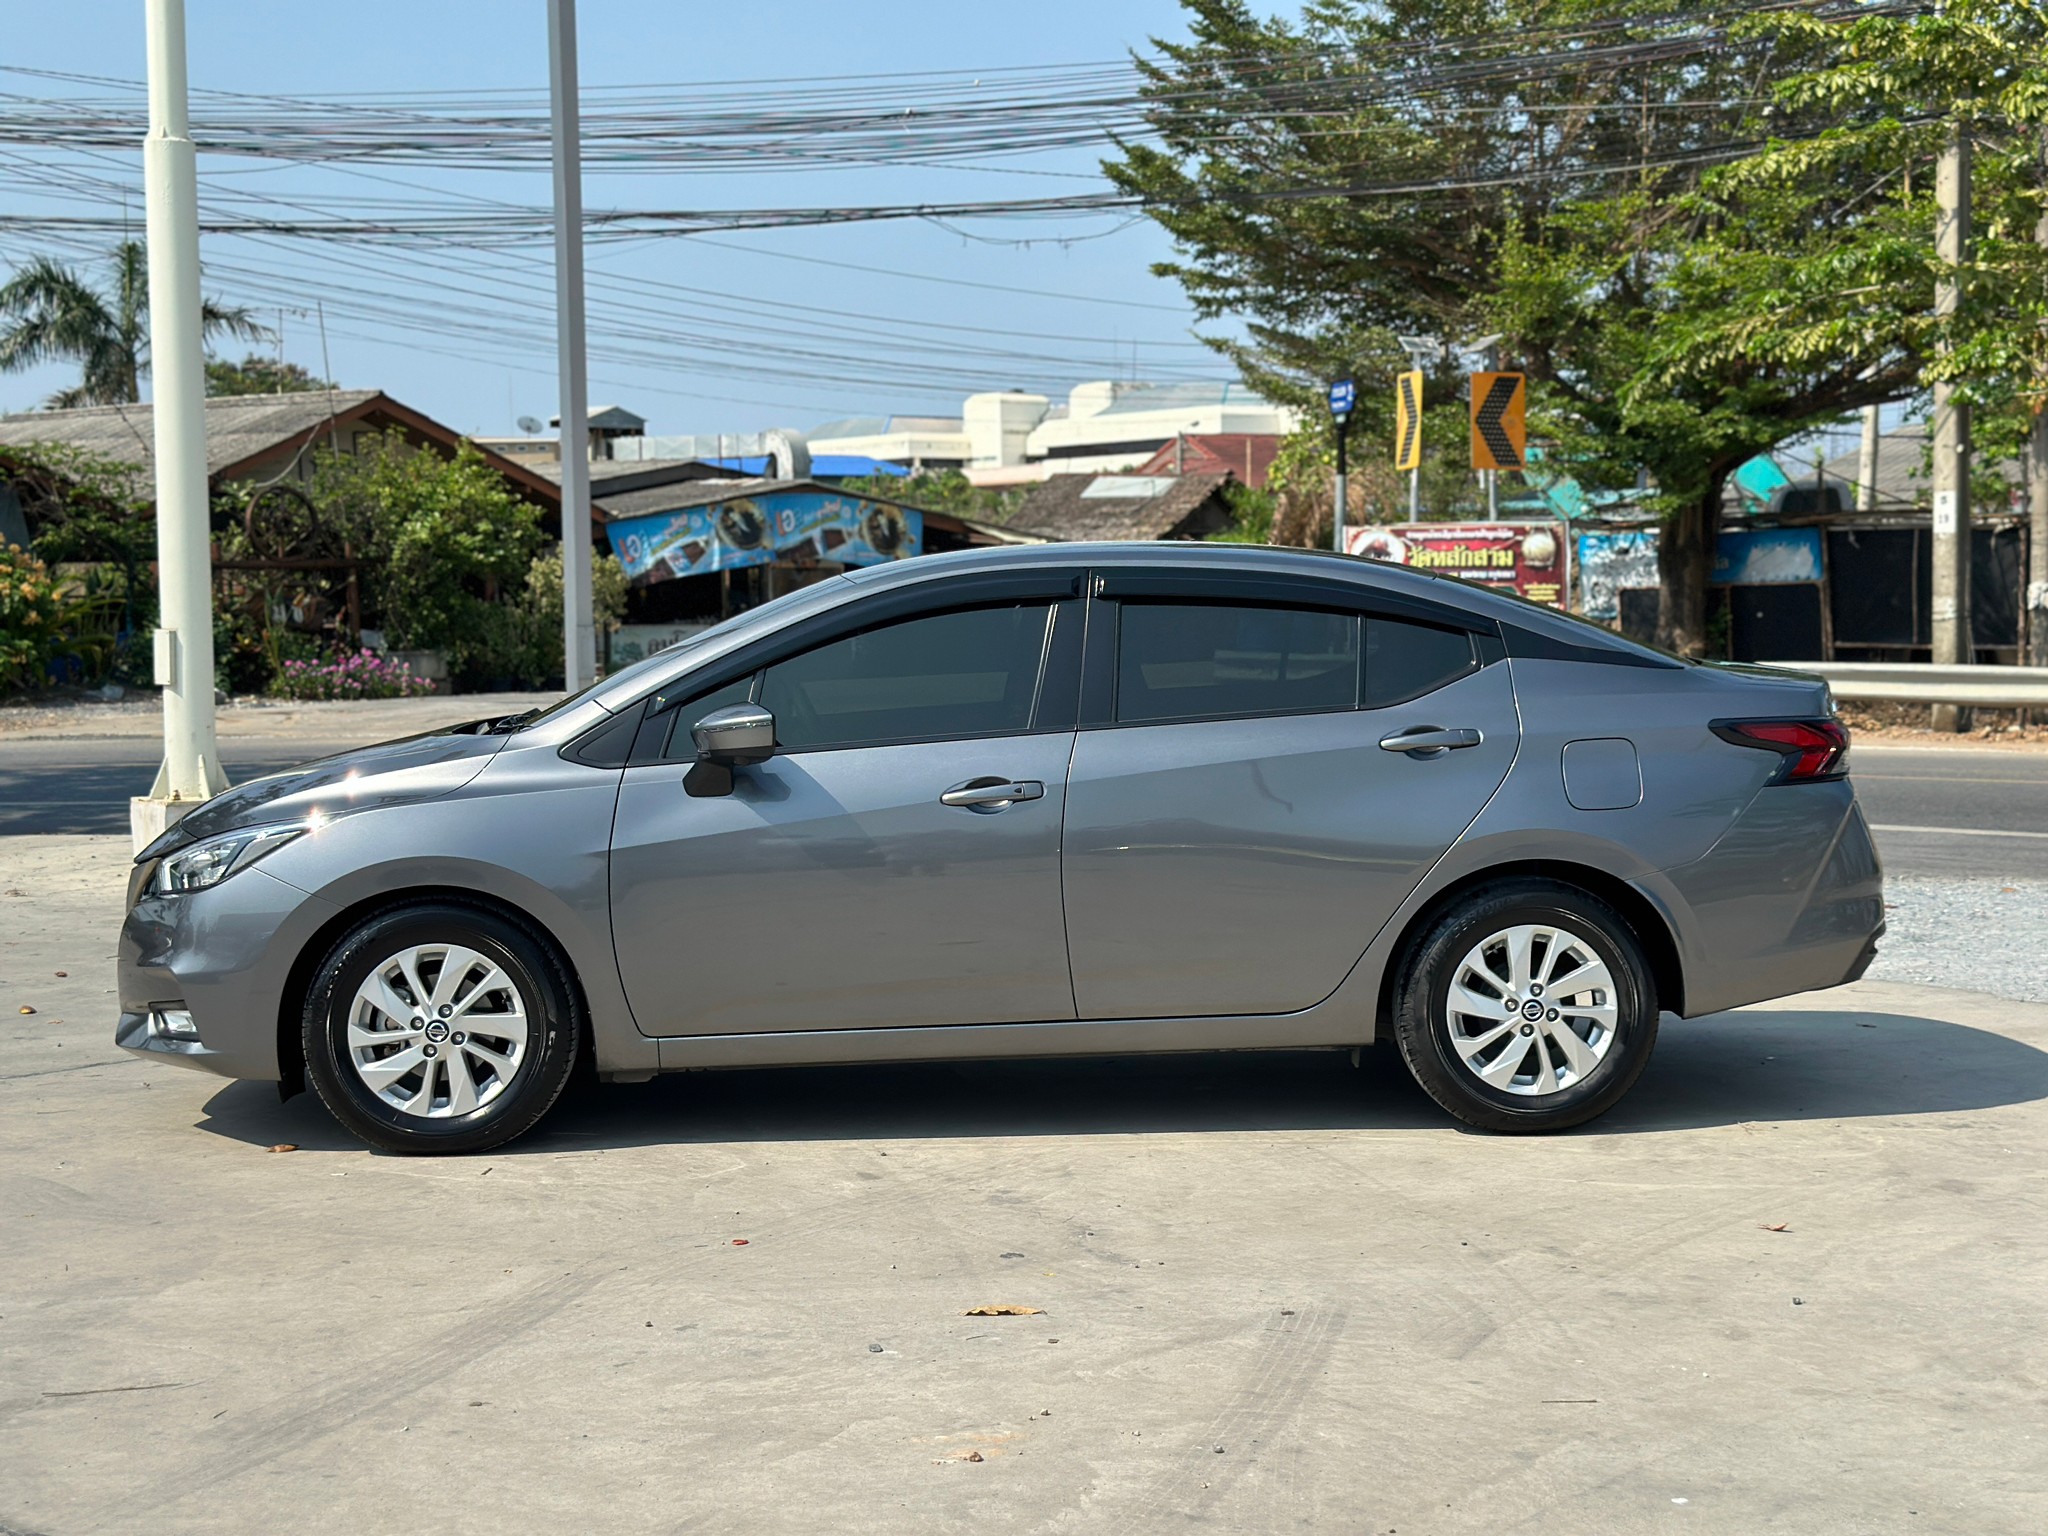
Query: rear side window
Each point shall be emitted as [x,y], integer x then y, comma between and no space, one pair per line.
[970,673]
[1404,661]
[1183,661]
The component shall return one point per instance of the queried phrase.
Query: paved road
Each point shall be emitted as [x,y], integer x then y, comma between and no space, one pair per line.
[85,786]
[1938,811]
[1949,811]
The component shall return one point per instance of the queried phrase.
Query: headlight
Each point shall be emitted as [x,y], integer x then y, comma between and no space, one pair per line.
[208,863]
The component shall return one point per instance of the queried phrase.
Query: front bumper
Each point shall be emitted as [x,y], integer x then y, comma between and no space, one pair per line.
[223,955]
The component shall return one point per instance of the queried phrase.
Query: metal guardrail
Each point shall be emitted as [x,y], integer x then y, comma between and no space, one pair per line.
[1921,683]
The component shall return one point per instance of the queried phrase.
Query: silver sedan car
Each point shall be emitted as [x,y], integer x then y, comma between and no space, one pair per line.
[1057,800]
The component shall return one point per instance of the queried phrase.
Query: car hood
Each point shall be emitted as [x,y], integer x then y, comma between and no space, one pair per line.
[391,773]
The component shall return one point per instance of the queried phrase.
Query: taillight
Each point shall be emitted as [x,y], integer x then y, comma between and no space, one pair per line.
[1813,750]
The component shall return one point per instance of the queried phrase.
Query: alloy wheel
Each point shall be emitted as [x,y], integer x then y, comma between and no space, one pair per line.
[437,1030]
[1532,1010]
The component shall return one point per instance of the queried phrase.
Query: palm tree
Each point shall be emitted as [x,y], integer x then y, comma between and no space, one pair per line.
[51,312]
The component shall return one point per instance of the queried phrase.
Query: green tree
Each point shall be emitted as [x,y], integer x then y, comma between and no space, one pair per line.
[1677,314]
[260,375]
[50,312]
[446,541]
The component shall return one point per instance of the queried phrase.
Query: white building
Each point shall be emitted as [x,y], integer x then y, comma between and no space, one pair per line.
[1013,438]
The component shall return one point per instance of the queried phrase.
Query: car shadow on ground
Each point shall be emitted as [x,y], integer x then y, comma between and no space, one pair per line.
[1761,1065]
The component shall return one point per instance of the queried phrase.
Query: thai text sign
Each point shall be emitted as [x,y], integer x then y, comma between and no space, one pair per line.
[795,526]
[1525,558]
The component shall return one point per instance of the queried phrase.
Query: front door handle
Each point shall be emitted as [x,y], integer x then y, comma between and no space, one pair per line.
[1431,739]
[987,795]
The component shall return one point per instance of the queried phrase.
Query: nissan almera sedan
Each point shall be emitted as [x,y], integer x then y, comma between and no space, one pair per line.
[1048,801]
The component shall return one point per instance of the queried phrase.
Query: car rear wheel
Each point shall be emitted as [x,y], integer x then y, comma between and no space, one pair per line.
[440,1028]
[1528,1006]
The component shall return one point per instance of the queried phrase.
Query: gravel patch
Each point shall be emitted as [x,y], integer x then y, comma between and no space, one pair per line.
[1978,935]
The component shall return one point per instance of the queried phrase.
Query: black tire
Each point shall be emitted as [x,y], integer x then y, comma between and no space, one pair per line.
[1423,1027]
[515,1104]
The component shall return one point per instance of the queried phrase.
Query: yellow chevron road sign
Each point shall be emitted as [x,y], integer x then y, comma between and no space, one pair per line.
[1499,437]
[1408,420]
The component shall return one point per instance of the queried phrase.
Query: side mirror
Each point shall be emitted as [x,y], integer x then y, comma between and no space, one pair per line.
[726,739]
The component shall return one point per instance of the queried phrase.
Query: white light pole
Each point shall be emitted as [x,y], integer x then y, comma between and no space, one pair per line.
[579,639]
[184,639]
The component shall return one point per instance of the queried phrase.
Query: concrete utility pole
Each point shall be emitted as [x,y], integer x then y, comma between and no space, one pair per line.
[1866,459]
[184,641]
[2037,502]
[579,638]
[1951,587]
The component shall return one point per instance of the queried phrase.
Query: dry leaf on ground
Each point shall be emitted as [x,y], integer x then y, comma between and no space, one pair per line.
[286,1146]
[1002,1311]
[1783,1226]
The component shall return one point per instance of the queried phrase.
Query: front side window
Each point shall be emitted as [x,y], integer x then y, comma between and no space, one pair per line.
[970,673]
[1186,661]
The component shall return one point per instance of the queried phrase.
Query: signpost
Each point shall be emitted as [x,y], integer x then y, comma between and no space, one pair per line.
[1343,396]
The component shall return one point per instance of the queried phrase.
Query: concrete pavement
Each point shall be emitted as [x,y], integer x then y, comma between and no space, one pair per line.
[1276,1293]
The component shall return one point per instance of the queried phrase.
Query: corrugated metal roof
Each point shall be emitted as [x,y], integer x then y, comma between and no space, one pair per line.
[1084,506]
[238,427]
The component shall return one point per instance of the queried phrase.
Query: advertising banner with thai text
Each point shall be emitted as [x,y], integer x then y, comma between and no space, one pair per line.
[1528,559]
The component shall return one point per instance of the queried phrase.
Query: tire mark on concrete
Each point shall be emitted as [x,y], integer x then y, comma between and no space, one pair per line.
[1299,1341]
[300,1418]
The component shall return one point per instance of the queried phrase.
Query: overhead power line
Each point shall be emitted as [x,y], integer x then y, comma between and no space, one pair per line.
[915,120]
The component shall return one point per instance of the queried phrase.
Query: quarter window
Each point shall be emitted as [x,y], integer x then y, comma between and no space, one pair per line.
[1182,661]
[1404,661]
[969,673]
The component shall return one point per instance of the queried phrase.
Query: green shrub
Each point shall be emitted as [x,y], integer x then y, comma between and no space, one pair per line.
[31,620]
[47,629]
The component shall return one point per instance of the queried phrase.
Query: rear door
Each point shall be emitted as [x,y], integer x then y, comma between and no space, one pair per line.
[896,862]
[1236,831]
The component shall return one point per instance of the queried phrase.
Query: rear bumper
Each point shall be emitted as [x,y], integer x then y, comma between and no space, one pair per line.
[1790,899]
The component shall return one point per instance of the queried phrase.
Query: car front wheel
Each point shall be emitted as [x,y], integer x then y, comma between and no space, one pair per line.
[440,1028]
[1527,1006]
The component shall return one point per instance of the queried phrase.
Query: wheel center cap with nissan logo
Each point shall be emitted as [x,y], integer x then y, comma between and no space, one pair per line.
[437,1031]
[1532,1010]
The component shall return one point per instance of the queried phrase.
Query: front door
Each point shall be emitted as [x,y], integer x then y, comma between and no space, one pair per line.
[1236,834]
[895,863]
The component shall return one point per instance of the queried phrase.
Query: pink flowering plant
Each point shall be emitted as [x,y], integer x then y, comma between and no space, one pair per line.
[350,675]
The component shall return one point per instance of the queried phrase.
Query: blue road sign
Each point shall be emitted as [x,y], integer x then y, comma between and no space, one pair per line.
[1343,395]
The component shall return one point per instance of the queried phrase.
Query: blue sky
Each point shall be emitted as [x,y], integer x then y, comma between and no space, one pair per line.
[393,321]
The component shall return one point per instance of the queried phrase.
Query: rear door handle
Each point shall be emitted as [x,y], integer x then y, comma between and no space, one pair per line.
[1430,738]
[992,794]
